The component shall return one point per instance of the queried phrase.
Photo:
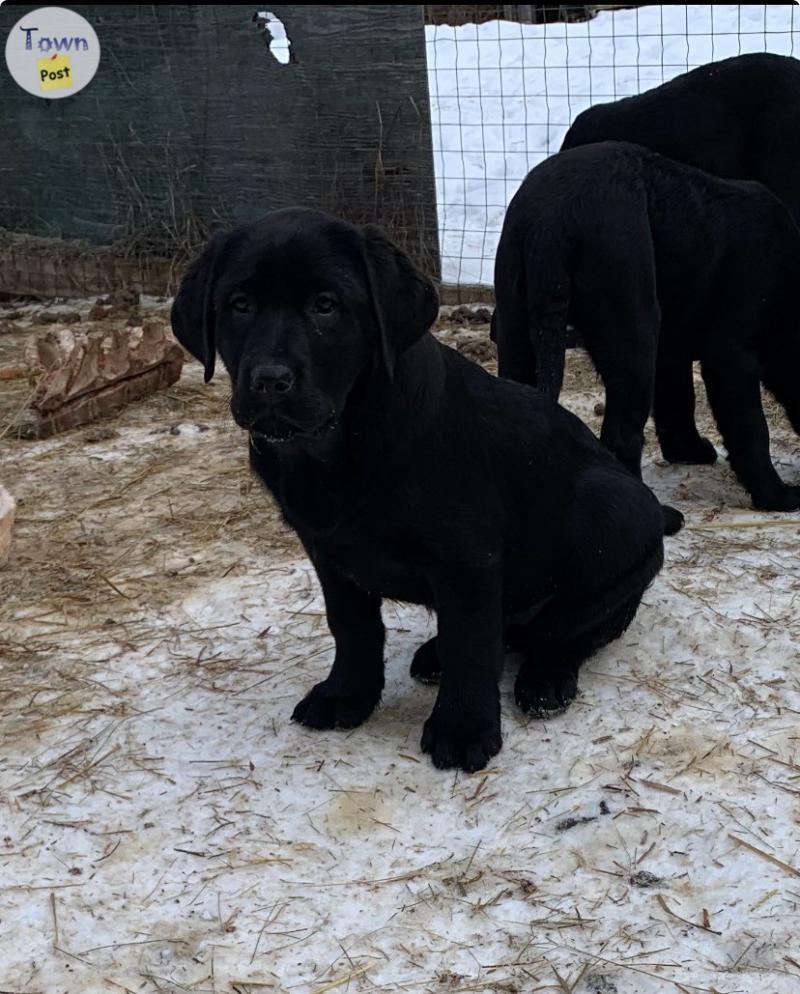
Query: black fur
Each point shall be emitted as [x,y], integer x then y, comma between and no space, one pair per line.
[410,473]
[656,264]
[738,118]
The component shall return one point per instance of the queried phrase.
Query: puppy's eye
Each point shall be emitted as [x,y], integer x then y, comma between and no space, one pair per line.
[240,303]
[325,303]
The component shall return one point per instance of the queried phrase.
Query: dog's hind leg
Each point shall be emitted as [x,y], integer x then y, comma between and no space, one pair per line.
[425,666]
[624,352]
[568,632]
[781,374]
[673,413]
[618,315]
[733,383]
[623,349]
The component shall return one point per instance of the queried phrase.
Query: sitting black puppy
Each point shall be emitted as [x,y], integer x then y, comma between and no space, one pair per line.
[738,118]
[656,264]
[410,473]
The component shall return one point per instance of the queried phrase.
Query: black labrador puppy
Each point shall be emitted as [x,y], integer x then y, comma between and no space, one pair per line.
[738,118]
[410,473]
[656,264]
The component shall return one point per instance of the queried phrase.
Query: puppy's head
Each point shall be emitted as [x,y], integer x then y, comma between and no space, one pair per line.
[299,305]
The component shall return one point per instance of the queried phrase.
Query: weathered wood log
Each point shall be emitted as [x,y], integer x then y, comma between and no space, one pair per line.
[84,375]
[90,407]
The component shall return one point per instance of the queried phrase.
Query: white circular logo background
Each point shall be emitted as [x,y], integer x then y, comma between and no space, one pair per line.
[52,52]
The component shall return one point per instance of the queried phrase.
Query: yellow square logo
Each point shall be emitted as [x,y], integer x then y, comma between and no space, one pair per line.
[55,73]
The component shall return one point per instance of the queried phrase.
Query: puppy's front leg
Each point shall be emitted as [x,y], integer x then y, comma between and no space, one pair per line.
[464,727]
[354,685]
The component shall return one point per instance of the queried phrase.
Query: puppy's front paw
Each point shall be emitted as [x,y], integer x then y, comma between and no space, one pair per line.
[327,707]
[545,695]
[455,739]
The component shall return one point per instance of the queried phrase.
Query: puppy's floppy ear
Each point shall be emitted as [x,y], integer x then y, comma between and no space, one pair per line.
[193,316]
[404,302]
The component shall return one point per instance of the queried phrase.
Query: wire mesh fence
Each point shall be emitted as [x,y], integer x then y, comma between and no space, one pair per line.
[503,94]
[323,106]
[346,126]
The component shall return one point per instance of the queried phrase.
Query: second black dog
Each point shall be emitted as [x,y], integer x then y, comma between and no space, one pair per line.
[410,473]
[656,264]
[738,118]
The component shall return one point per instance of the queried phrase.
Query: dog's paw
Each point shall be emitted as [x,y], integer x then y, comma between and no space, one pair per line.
[546,695]
[425,665]
[457,742]
[782,499]
[327,707]
[693,451]
[673,519]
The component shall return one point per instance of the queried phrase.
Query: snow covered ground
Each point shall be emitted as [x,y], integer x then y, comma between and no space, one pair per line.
[503,96]
[165,828]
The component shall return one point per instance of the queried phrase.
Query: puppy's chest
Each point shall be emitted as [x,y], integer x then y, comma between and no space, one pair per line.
[388,567]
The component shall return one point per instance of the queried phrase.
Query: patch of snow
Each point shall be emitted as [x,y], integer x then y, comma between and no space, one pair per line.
[279,44]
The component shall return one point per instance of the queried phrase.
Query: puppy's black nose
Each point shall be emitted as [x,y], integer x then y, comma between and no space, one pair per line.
[273,380]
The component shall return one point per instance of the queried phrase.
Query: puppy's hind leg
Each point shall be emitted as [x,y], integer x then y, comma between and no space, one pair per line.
[625,358]
[673,413]
[612,551]
[567,633]
[732,376]
[425,666]
[781,373]
[628,373]
[618,313]
[547,682]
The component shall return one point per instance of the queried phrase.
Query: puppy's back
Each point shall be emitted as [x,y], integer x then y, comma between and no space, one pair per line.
[738,119]
[595,195]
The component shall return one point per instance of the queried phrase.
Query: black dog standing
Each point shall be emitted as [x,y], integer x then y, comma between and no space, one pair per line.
[656,264]
[410,473]
[738,118]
